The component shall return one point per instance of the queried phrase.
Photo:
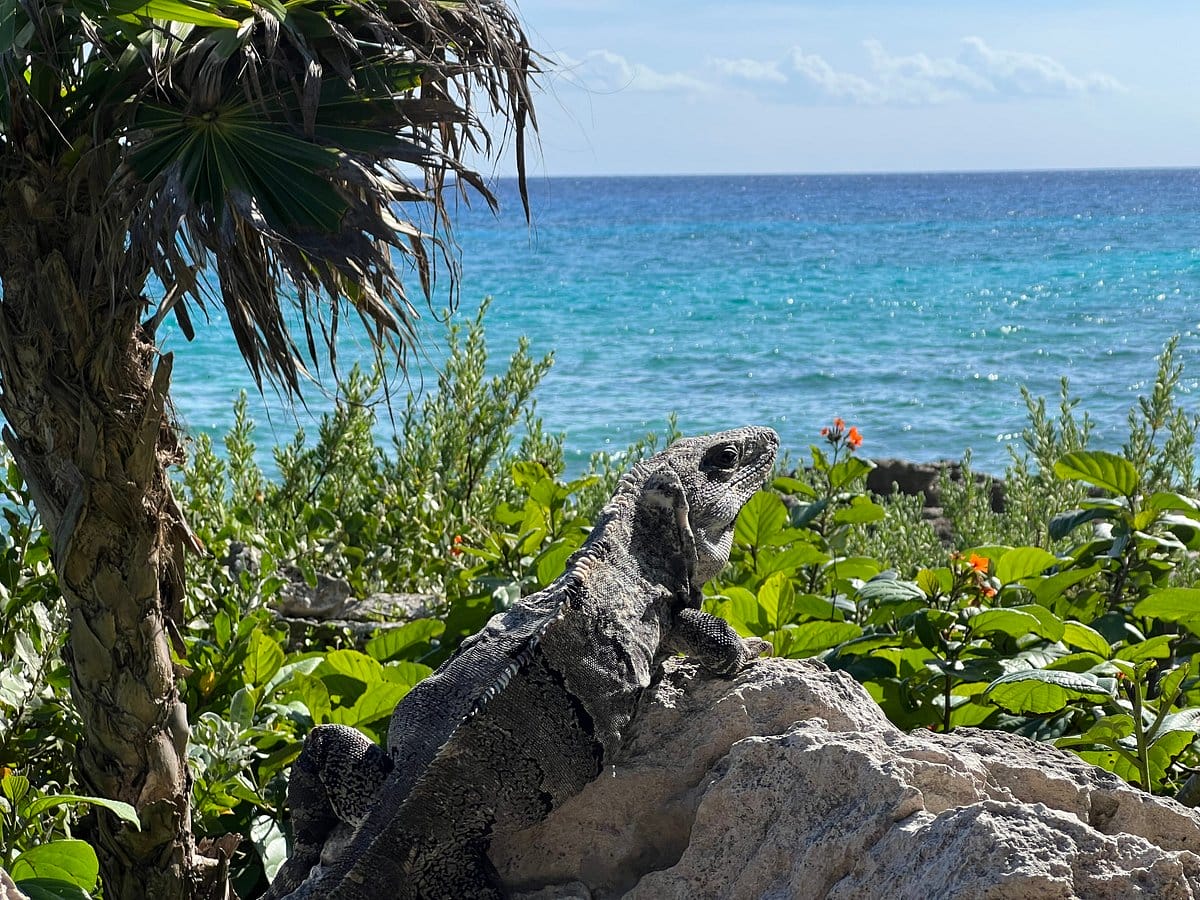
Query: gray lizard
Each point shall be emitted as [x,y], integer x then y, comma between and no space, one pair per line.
[536,704]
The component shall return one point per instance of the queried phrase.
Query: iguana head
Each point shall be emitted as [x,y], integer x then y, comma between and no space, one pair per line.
[719,473]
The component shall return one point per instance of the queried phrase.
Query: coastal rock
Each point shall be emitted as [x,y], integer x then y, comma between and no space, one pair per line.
[898,475]
[892,476]
[787,781]
[9,889]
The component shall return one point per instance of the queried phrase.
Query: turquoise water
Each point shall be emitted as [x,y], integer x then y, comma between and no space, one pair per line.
[911,305]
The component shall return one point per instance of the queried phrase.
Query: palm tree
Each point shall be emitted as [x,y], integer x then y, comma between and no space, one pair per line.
[288,159]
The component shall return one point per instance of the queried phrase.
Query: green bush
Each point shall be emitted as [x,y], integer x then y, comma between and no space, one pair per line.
[1070,617]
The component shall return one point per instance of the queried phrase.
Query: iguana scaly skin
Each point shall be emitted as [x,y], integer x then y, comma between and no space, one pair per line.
[533,707]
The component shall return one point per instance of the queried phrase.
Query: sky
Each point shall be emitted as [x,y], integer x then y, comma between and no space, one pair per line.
[673,87]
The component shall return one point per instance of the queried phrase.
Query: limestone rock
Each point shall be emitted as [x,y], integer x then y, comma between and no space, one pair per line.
[788,781]
[8,889]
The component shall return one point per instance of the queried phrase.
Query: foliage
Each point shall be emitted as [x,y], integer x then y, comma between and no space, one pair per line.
[288,147]
[1083,635]
[1081,631]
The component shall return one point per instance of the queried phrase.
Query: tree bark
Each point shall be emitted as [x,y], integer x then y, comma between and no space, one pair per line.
[84,391]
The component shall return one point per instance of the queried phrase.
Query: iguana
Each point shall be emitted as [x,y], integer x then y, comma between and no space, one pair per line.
[535,705]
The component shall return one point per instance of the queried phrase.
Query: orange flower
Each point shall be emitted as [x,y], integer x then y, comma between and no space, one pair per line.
[988,591]
[825,431]
[839,424]
[979,563]
[456,546]
[854,438]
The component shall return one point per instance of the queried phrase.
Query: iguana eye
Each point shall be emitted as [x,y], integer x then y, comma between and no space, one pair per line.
[724,457]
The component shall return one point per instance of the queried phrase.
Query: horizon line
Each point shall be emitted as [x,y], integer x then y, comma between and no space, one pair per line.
[1036,170]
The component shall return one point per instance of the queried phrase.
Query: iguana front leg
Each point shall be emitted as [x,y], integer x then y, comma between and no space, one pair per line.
[713,643]
[333,784]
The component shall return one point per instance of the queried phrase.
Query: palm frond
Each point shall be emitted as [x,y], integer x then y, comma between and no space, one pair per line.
[287,148]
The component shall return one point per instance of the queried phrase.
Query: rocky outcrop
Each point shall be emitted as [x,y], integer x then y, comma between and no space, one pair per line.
[788,781]
[8,890]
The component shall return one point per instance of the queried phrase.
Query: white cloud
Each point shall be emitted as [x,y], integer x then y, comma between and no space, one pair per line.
[604,71]
[977,72]
[750,70]
[1031,74]
[815,72]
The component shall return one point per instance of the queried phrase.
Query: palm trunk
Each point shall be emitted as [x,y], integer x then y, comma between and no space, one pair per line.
[88,425]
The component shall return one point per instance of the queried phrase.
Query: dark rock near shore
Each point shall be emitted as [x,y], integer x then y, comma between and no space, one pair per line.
[912,478]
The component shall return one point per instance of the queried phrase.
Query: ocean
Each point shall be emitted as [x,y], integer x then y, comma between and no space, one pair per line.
[913,306]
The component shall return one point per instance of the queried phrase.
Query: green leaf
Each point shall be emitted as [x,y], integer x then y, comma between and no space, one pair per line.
[739,607]
[51,889]
[848,471]
[776,598]
[356,665]
[801,516]
[1099,468]
[1049,588]
[1168,500]
[263,659]
[374,704]
[1065,522]
[933,581]
[271,843]
[794,557]
[123,811]
[860,567]
[393,642]
[1084,661]
[241,708]
[860,511]
[8,32]
[406,672]
[890,590]
[1183,720]
[1044,691]
[1022,562]
[763,517]
[1161,754]
[1108,730]
[1079,635]
[814,606]
[1170,604]
[290,670]
[552,562]
[14,786]
[785,484]
[1018,621]
[870,642]
[66,859]
[811,638]
[316,697]
[1171,683]
[1157,647]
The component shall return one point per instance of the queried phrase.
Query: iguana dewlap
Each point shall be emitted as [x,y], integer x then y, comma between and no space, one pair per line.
[533,707]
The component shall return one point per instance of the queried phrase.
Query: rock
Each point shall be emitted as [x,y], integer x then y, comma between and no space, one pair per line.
[327,599]
[327,610]
[241,557]
[892,476]
[897,475]
[9,889]
[788,781]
